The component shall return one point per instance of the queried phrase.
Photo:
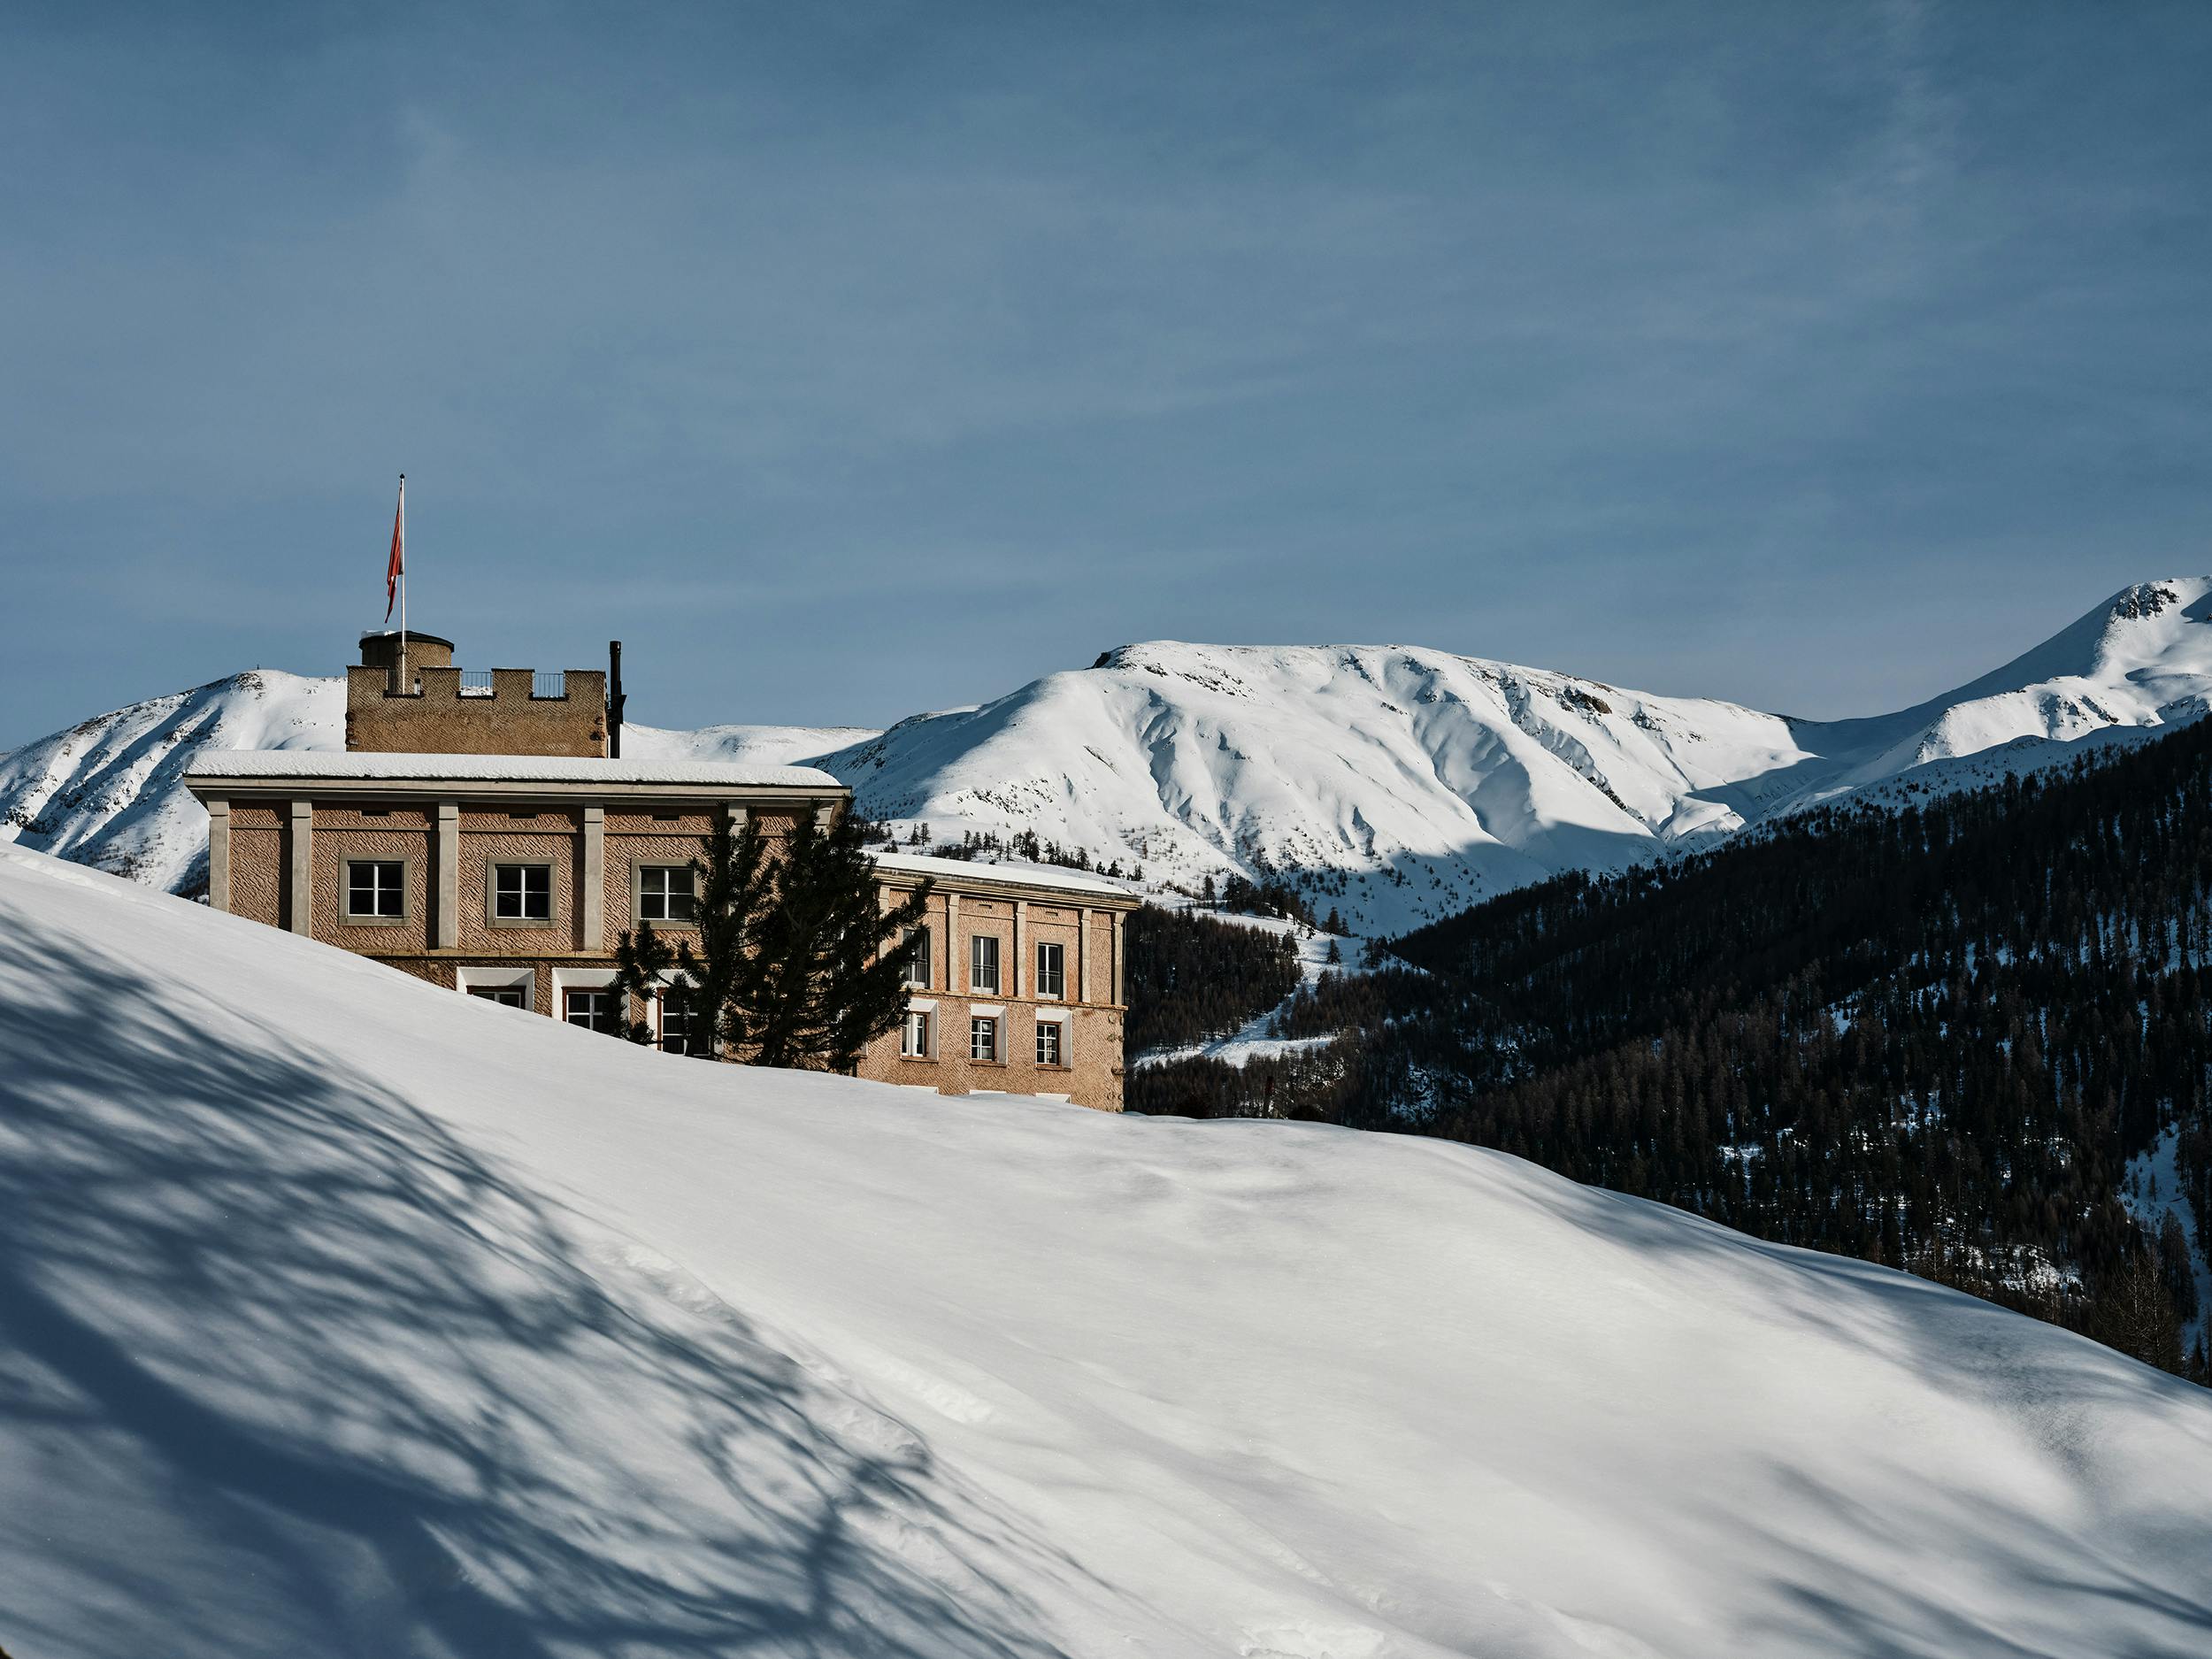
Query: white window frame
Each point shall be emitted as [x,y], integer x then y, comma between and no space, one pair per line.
[509,979]
[916,949]
[375,918]
[638,872]
[491,893]
[1059,991]
[660,1009]
[567,979]
[1059,1030]
[976,954]
[991,1055]
[915,1032]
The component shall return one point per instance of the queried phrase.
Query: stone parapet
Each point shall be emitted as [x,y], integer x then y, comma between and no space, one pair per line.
[440,710]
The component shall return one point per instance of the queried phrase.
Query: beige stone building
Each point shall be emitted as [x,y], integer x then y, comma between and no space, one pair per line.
[476,834]
[1016,982]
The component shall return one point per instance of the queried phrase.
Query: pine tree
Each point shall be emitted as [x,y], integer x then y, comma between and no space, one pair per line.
[826,987]
[719,966]
[2180,1275]
[788,965]
[642,962]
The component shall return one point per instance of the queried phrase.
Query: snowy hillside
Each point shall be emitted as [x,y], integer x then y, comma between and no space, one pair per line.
[1427,780]
[1423,781]
[2140,660]
[1406,782]
[770,745]
[110,792]
[344,1315]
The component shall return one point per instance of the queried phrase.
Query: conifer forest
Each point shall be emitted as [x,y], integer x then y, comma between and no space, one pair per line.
[1961,1038]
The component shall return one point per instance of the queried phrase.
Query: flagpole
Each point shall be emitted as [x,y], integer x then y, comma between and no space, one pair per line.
[406,675]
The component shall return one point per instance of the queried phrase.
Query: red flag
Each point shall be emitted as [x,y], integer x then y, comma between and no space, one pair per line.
[398,564]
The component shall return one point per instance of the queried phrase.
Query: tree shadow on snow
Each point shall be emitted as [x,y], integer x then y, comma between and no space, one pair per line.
[418,1408]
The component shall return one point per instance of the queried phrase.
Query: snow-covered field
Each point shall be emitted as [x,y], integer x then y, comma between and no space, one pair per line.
[340,1316]
[1409,782]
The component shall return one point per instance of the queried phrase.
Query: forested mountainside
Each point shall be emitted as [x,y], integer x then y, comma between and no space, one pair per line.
[1192,977]
[1964,1038]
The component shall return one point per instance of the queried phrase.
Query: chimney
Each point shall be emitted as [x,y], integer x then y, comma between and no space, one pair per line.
[614,699]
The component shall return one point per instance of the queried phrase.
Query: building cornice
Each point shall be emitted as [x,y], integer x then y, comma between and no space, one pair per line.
[249,787]
[983,883]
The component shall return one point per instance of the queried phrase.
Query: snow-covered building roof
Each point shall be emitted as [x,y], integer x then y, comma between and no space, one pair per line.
[315,765]
[968,871]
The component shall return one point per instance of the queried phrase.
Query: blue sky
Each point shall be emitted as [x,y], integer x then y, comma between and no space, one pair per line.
[849,360]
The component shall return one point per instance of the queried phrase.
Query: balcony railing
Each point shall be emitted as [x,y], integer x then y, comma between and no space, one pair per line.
[549,683]
[476,682]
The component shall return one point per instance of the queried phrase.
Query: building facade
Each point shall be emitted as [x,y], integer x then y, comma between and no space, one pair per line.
[1016,982]
[477,835]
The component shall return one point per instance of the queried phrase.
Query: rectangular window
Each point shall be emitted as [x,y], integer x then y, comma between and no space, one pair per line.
[983,963]
[684,1029]
[1048,1043]
[914,1039]
[1052,977]
[505,995]
[376,887]
[665,894]
[522,893]
[594,1010]
[918,959]
[982,1039]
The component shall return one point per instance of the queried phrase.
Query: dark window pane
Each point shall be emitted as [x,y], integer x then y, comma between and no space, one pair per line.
[522,892]
[592,1009]
[375,887]
[682,903]
[684,1030]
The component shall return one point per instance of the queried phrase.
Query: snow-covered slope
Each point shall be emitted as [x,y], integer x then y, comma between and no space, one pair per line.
[1428,780]
[343,1315]
[1419,782]
[770,745]
[1405,782]
[110,792]
[2142,659]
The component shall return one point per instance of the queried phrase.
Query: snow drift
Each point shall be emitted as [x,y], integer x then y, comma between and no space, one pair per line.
[1409,782]
[343,1315]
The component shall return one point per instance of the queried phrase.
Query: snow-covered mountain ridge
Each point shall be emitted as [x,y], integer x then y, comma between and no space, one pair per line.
[1402,782]
[341,1315]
